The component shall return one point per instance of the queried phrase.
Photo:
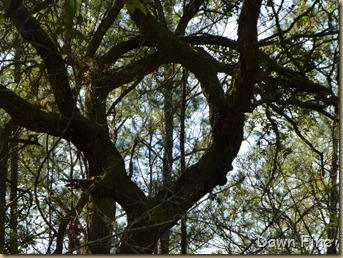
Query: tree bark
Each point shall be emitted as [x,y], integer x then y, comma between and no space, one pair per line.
[101,215]
[147,218]
[13,196]
[184,242]
[5,134]
[333,200]
[227,119]
[3,185]
[168,147]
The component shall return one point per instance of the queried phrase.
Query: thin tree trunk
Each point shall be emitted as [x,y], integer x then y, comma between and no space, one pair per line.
[169,127]
[13,196]
[183,158]
[14,171]
[3,176]
[183,235]
[332,229]
[168,150]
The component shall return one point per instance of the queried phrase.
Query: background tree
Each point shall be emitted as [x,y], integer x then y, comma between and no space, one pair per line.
[130,115]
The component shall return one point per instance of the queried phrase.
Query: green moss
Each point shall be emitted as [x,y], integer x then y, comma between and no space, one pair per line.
[132,5]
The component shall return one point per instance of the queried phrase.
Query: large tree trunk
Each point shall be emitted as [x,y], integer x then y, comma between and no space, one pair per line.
[170,205]
[147,218]
[100,210]
[100,219]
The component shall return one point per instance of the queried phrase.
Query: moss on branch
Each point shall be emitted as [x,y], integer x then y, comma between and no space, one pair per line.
[133,5]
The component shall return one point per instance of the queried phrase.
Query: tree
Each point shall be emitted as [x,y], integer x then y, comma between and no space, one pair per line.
[89,76]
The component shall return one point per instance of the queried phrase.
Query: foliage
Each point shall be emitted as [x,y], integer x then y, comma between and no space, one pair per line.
[130,114]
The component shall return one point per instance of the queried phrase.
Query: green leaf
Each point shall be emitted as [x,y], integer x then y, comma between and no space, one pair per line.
[132,5]
[70,11]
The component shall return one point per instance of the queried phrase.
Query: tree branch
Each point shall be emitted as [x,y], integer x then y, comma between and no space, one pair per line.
[114,78]
[67,218]
[27,115]
[87,136]
[297,82]
[212,168]
[297,131]
[247,35]
[244,81]
[211,40]
[118,50]
[30,30]
[189,11]
[180,52]
[105,24]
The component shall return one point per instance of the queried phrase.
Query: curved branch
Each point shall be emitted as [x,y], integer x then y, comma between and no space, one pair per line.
[134,71]
[105,24]
[296,81]
[122,95]
[180,52]
[293,101]
[227,121]
[212,168]
[297,131]
[158,10]
[33,118]
[282,41]
[27,115]
[189,11]
[118,50]
[30,30]
[64,223]
[87,136]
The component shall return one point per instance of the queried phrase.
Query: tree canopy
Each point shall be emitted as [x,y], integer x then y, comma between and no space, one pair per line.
[148,126]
